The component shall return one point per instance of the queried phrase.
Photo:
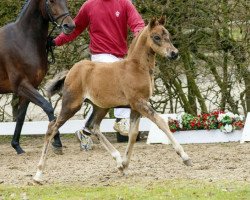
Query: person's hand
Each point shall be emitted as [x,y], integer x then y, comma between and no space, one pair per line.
[50,42]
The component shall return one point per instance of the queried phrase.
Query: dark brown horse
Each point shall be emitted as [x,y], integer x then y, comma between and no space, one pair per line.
[23,57]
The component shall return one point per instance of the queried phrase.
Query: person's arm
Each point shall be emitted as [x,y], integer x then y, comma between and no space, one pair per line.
[81,22]
[135,21]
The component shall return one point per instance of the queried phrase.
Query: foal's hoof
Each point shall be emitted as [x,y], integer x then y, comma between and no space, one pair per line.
[121,168]
[122,171]
[57,150]
[188,162]
[37,179]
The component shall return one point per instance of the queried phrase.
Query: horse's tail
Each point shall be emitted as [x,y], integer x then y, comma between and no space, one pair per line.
[56,84]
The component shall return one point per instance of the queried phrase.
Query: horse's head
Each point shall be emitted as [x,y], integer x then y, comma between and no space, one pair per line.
[159,39]
[58,14]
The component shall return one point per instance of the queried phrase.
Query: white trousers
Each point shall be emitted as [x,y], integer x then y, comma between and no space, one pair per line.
[118,112]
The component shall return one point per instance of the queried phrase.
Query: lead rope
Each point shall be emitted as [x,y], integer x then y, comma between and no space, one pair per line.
[49,47]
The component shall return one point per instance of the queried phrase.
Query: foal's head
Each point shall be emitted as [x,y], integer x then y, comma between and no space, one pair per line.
[58,14]
[159,39]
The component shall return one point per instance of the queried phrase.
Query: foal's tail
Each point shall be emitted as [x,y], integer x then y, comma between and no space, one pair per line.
[56,84]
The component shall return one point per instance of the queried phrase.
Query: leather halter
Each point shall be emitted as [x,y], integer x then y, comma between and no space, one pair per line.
[53,20]
[51,17]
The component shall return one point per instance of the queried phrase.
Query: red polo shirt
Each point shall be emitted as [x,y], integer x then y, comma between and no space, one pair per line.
[107,22]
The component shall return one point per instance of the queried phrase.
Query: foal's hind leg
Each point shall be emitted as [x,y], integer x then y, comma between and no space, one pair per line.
[29,92]
[93,124]
[133,133]
[146,110]
[70,105]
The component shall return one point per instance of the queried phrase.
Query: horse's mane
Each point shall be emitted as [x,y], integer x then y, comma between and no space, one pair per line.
[24,8]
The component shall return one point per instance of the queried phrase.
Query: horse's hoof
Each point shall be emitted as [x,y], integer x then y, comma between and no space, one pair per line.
[20,151]
[188,162]
[17,147]
[57,150]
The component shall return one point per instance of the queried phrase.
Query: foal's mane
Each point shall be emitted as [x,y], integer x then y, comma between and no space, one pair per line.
[24,8]
[134,41]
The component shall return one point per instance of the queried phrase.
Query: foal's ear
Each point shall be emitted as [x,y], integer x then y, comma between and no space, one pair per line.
[153,22]
[162,20]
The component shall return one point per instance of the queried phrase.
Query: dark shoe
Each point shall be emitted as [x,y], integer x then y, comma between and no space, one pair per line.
[122,138]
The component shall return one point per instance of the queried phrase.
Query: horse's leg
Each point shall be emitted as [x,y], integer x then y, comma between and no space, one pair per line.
[22,109]
[70,105]
[133,133]
[94,126]
[29,92]
[146,110]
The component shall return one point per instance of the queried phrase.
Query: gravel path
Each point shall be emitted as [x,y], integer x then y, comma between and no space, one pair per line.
[230,161]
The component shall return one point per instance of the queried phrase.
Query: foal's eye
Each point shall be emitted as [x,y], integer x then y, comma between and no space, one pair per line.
[157,38]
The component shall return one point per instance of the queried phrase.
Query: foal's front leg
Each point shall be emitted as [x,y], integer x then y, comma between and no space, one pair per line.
[133,133]
[143,107]
[52,130]
[71,103]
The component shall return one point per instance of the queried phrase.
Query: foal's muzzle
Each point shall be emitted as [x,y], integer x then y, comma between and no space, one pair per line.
[173,55]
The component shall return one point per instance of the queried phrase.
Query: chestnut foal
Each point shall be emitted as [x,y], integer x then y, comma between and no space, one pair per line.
[107,85]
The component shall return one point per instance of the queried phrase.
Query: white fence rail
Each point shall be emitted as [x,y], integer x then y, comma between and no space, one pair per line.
[155,135]
[40,127]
